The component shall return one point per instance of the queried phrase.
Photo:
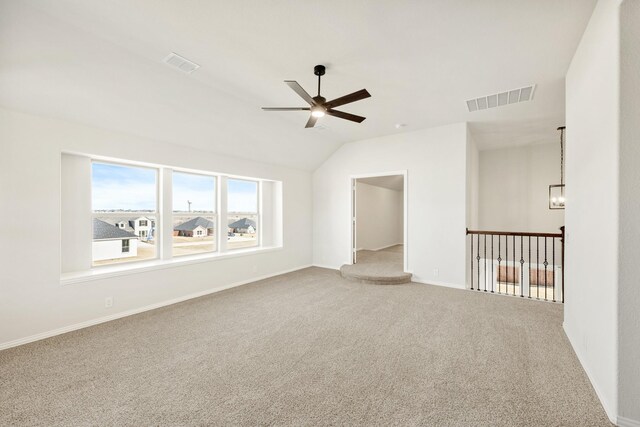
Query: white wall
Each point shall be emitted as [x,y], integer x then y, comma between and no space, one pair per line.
[379,213]
[33,300]
[629,220]
[472,196]
[591,215]
[75,187]
[473,182]
[514,188]
[436,163]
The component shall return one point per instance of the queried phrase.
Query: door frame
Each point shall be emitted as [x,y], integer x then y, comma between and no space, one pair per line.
[352,213]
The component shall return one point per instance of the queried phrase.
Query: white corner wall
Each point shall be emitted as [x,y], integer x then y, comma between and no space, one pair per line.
[473,182]
[591,216]
[435,160]
[33,302]
[629,220]
[514,188]
[379,217]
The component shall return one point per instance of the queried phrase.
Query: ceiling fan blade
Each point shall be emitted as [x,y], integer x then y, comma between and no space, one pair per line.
[312,122]
[300,91]
[286,108]
[346,116]
[352,97]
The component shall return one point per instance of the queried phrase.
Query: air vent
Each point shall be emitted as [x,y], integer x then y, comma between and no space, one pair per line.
[181,63]
[502,98]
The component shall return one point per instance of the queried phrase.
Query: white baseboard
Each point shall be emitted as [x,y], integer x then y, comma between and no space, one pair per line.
[437,283]
[330,267]
[627,422]
[92,322]
[608,409]
[380,248]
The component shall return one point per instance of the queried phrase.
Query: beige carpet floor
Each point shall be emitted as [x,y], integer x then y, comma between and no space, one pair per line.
[309,348]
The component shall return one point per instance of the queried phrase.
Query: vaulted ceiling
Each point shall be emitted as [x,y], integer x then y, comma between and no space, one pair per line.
[100,63]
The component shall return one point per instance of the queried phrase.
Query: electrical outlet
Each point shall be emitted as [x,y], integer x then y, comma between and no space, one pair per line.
[108,302]
[436,272]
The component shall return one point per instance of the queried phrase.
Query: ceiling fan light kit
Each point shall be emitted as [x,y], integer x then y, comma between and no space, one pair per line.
[318,105]
[318,111]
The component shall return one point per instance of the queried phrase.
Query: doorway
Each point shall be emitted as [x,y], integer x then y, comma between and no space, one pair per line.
[379,221]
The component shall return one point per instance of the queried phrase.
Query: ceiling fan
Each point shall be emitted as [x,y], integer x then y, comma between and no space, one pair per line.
[318,105]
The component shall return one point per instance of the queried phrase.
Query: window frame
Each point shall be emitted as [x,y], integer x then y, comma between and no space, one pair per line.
[215,214]
[258,213]
[163,213]
[125,216]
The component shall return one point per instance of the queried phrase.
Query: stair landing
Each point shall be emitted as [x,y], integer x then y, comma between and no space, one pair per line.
[382,267]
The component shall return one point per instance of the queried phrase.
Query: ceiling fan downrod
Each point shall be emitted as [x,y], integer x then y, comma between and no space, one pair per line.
[319,71]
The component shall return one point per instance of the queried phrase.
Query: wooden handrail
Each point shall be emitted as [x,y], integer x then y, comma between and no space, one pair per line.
[513,233]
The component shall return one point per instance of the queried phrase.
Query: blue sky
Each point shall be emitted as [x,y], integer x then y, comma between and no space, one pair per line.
[200,190]
[116,187]
[242,196]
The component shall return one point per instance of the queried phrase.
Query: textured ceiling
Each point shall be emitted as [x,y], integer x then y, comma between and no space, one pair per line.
[100,63]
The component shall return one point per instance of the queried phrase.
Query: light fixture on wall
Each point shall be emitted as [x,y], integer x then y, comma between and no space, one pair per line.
[556,192]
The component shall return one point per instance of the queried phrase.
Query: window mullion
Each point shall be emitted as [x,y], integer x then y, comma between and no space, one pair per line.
[222,214]
[165,213]
[259,216]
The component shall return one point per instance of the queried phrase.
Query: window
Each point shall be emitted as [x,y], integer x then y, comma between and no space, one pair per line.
[122,198]
[242,216]
[144,212]
[194,213]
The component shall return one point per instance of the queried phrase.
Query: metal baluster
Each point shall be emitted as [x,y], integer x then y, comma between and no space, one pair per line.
[529,266]
[537,267]
[521,268]
[506,265]
[499,263]
[492,264]
[471,257]
[514,265]
[554,268]
[562,263]
[545,268]
[478,261]
[485,263]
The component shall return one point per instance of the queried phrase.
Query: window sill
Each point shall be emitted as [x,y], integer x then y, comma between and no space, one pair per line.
[98,273]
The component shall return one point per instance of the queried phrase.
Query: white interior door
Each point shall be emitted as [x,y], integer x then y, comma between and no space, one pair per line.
[354,223]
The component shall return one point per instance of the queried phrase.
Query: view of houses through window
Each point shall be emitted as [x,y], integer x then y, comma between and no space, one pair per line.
[126,214]
[124,204]
[242,205]
[194,208]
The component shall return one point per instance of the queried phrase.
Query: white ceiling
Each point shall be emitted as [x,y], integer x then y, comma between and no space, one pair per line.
[392,182]
[100,62]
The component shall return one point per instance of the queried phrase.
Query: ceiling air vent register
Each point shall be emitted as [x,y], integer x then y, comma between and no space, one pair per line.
[181,63]
[503,98]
